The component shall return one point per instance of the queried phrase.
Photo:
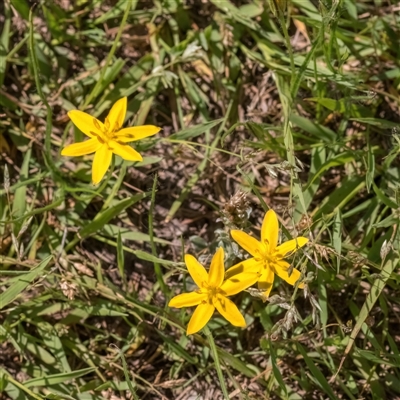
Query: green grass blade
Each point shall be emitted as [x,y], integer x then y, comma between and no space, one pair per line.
[11,293]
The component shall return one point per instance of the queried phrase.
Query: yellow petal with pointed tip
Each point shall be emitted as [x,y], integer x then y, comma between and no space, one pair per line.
[246,241]
[266,281]
[81,148]
[124,151]
[101,162]
[250,265]
[89,125]
[136,133]
[291,246]
[116,116]
[187,299]
[238,283]
[200,317]
[229,311]
[281,269]
[270,230]
[196,271]
[217,269]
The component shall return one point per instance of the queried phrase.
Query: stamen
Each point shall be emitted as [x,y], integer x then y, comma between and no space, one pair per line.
[98,137]
[107,124]
[258,255]
[96,124]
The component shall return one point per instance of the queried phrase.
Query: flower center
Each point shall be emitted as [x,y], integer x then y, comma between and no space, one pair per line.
[263,254]
[211,291]
[108,131]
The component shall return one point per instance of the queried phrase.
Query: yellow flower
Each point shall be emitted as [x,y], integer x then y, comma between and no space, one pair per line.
[108,138]
[212,293]
[268,258]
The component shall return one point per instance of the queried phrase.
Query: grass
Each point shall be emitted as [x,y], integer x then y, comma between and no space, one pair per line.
[293,107]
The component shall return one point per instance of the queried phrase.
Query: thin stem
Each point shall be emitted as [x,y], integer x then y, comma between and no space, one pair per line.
[49,116]
[157,266]
[214,351]
[110,55]
[287,42]
[117,184]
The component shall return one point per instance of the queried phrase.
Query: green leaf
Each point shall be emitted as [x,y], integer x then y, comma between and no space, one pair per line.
[57,378]
[19,204]
[318,376]
[120,256]
[319,131]
[194,131]
[10,294]
[104,216]
[340,159]
[22,7]
[4,42]
[275,369]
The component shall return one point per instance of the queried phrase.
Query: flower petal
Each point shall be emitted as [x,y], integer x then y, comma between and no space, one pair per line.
[250,265]
[116,117]
[229,311]
[124,151]
[101,162]
[217,269]
[270,230]
[246,241]
[136,133]
[266,281]
[239,282]
[281,269]
[200,317]
[291,246]
[187,299]
[81,148]
[89,125]
[196,271]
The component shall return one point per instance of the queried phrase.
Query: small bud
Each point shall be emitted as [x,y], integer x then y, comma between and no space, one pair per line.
[314,303]
[258,294]
[21,249]
[385,249]
[24,227]
[6,179]
[68,288]
[15,243]
[191,50]
[277,6]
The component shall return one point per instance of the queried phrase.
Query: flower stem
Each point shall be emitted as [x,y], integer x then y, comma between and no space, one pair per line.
[99,84]
[117,184]
[49,113]
[214,351]
[282,21]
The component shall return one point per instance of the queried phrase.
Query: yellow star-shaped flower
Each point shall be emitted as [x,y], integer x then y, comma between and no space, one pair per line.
[212,292]
[108,138]
[268,257]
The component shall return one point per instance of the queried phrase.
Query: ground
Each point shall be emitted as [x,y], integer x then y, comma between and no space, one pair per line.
[291,106]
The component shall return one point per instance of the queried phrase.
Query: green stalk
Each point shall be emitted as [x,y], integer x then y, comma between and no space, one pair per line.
[110,55]
[117,184]
[214,351]
[157,266]
[287,42]
[49,116]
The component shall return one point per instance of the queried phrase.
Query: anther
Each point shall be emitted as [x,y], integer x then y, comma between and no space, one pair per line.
[107,124]
[96,124]
[98,137]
